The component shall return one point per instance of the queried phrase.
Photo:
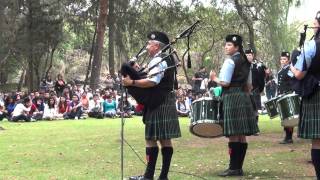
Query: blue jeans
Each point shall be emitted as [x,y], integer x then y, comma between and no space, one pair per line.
[270,93]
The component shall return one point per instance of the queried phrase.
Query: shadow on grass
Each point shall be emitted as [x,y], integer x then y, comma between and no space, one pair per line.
[210,175]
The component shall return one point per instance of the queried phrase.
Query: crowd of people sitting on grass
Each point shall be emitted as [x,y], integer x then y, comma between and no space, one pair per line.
[58,100]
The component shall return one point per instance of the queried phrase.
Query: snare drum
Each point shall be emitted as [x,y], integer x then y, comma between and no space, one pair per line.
[271,107]
[289,108]
[205,119]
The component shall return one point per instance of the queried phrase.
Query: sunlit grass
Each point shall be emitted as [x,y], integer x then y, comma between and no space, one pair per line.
[90,149]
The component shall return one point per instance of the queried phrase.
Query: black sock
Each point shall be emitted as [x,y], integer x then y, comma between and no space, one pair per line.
[151,155]
[315,155]
[234,155]
[290,132]
[287,133]
[166,160]
[242,153]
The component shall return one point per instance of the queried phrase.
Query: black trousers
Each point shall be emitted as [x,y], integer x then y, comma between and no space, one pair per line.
[73,114]
[98,115]
[21,117]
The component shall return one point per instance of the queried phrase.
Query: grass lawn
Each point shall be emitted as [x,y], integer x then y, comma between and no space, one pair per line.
[90,149]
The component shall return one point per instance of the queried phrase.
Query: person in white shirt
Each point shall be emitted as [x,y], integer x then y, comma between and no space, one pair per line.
[50,110]
[95,107]
[182,108]
[21,111]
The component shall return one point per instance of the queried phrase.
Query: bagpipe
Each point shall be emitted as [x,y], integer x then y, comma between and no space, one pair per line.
[136,72]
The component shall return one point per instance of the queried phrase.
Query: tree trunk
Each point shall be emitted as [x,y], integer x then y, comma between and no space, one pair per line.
[30,74]
[122,51]
[3,77]
[248,22]
[21,80]
[46,63]
[51,61]
[37,73]
[30,49]
[97,59]
[251,37]
[111,25]
[91,55]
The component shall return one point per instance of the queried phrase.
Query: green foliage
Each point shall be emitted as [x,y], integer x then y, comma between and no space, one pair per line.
[30,29]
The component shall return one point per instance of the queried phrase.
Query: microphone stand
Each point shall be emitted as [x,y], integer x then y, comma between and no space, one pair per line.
[122,90]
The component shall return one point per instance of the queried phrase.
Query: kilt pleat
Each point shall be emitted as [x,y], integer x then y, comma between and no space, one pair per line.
[309,124]
[238,113]
[162,123]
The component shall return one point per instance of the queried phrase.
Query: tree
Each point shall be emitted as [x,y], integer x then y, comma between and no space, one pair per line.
[111,24]
[97,58]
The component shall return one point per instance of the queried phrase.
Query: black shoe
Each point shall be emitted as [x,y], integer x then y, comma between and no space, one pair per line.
[230,172]
[140,177]
[286,141]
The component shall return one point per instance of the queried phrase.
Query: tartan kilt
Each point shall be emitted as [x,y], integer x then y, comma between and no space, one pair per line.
[309,124]
[238,113]
[162,122]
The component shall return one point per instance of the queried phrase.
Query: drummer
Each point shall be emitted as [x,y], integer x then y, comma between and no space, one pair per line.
[307,68]
[238,113]
[283,88]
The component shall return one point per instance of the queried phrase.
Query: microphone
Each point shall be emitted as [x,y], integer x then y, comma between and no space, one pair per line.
[135,58]
[187,31]
[303,36]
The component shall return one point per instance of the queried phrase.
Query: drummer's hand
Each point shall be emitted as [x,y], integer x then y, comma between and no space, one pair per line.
[126,81]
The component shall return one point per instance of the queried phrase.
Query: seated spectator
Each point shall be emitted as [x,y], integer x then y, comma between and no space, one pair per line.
[95,107]
[67,93]
[89,93]
[31,96]
[62,107]
[53,95]
[37,109]
[109,82]
[84,101]
[59,85]
[3,112]
[43,85]
[17,98]
[23,94]
[74,110]
[182,108]
[109,107]
[50,112]
[49,82]
[127,108]
[9,106]
[76,90]
[21,111]
[46,97]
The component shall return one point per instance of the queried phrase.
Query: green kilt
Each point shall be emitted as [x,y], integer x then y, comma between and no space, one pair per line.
[309,124]
[162,123]
[238,113]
